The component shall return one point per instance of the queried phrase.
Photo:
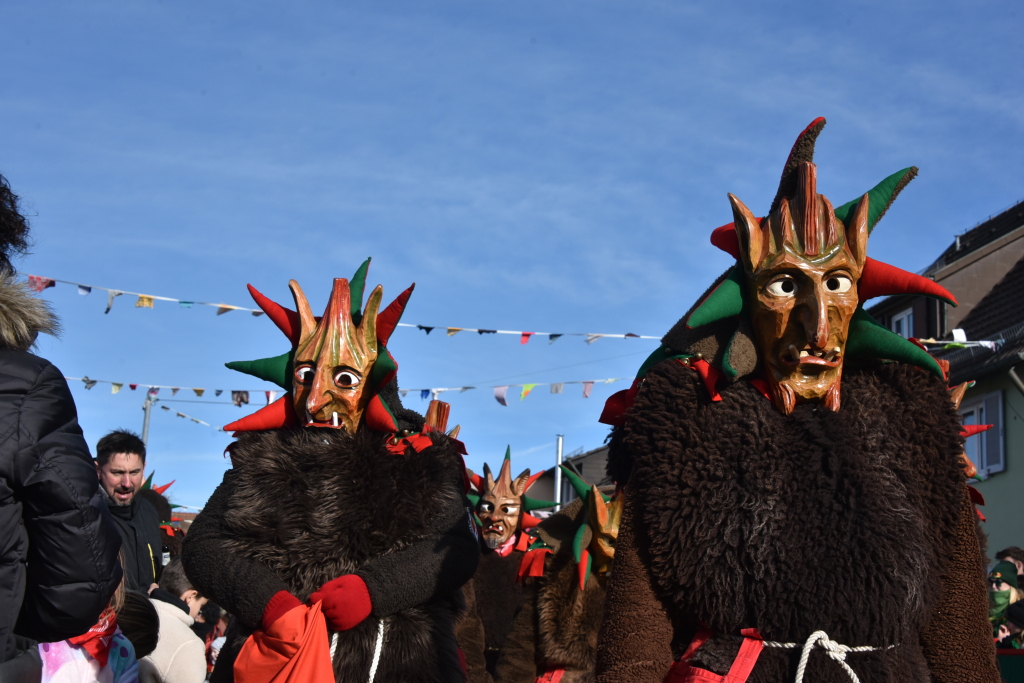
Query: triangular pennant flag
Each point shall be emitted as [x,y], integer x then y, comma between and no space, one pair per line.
[452,331]
[425,328]
[240,397]
[591,338]
[218,392]
[186,304]
[403,392]
[487,332]
[224,308]
[556,387]
[180,414]
[133,387]
[84,291]
[527,388]
[499,394]
[110,299]
[89,383]
[525,337]
[165,407]
[115,387]
[271,396]
[553,337]
[144,301]
[153,391]
[587,387]
[38,284]
[199,392]
[175,390]
[424,394]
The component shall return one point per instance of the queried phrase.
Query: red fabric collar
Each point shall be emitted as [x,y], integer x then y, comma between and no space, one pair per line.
[96,640]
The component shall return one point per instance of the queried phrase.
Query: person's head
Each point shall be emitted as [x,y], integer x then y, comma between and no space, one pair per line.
[1013,554]
[13,226]
[1003,576]
[138,621]
[174,581]
[120,462]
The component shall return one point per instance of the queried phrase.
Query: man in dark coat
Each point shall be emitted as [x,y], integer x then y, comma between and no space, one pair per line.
[120,463]
[58,545]
[339,498]
[796,506]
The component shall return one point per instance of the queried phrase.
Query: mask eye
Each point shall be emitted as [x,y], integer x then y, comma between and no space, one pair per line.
[840,284]
[304,373]
[346,379]
[510,509]
[485,507]
[783,287]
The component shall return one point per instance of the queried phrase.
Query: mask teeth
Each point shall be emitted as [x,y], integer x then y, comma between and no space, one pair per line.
[335,419]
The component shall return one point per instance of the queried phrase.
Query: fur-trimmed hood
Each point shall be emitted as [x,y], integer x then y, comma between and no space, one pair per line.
[23,315]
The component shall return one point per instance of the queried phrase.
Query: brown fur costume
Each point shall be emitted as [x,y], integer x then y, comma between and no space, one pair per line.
[497,599]
[557,627]
[313,504]
[853,522]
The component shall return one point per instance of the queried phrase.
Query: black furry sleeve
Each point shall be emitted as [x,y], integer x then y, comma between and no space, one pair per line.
[434,567]
[241,586]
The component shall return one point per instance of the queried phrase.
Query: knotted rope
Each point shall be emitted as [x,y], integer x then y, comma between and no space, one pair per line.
[837,651]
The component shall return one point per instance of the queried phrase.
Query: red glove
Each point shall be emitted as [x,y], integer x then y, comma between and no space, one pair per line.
[346,602]
[282,602]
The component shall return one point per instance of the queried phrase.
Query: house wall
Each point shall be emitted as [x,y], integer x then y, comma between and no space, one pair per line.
[1004,492]
[973,276]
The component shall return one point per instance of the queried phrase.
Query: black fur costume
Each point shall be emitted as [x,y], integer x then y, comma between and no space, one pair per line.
[303,506]
[853,522]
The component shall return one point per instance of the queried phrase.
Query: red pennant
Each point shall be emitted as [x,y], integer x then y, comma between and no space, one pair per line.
[525,337]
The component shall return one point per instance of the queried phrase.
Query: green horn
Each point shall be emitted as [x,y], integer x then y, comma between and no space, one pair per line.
[582,488]
[277,369]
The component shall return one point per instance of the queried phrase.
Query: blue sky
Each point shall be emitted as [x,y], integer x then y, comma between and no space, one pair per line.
[530,165]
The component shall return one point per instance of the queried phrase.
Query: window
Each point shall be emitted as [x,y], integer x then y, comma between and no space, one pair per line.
[985,450]
[903,323]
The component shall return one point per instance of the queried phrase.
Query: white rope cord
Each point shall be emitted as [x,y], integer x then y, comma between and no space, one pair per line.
[377,650]
[334,644]
[837,651]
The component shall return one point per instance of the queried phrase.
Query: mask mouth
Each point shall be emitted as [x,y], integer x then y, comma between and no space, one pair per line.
[495,528]
[825,358]
[335,422]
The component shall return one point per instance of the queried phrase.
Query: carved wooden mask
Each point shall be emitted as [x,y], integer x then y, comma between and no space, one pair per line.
[333,359]
[501,505]
[603,518]
[802,265]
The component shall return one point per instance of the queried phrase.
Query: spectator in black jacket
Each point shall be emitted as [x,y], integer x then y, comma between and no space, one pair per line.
[58,544]
[120,462]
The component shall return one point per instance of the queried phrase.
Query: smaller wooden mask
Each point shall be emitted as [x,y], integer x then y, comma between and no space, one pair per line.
[501,504]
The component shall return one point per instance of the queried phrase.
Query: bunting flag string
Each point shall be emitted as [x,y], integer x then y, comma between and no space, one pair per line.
[240,397]
[183,415]
[524,337]
[501,390]
[38,283]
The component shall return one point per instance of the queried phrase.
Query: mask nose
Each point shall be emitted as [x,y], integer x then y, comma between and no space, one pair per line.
[815,321]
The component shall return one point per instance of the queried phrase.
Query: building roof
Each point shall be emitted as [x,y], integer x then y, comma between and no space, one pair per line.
[980,235]
[998,316]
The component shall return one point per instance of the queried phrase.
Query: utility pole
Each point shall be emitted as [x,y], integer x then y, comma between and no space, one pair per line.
[147,407]
[558,473]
